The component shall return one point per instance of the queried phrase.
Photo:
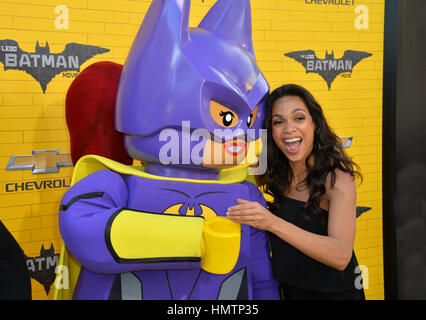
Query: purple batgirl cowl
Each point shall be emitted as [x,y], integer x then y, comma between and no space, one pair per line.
[176,81]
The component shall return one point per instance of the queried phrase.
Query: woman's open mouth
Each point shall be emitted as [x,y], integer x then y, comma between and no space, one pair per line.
[292,145]
[235,148]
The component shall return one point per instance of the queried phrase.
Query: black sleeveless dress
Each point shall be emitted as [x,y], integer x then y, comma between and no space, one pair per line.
[302,277]
[14,278]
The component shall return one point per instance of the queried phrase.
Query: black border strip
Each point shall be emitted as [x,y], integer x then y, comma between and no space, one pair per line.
[90,195]
[390,65]
[143,260]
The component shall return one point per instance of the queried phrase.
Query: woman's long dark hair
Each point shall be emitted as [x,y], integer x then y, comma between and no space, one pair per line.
[327,152]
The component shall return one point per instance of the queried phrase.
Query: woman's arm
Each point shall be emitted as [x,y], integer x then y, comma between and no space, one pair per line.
[334,250]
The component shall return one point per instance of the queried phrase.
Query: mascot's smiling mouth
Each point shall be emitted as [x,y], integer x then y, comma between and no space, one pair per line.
[235,148]
[235,152]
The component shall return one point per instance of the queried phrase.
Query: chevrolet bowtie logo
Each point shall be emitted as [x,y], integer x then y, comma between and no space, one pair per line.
[41,161]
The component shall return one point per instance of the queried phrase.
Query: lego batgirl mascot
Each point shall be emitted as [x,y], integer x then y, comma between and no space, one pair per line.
[189,104]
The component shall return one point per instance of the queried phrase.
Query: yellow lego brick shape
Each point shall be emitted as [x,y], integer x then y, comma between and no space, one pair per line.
[43,209]
[22,237]
[51,99]
[52,196]
[46,136]
[101,16]
[316,16]
[288,25]
[50,221]
[6,22]
[9,176]
[271,14]
[32,37]
[45,233]
[28,223]
[36,123]
[11,137]
[11,99]
[118,5]
[121,29]
[108,40]
[68,3]
[32,9]
[18,212]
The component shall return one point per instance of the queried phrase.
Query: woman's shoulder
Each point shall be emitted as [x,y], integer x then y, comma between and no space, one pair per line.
[340,182]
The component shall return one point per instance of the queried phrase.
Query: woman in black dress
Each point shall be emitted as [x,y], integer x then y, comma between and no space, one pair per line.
[312,217]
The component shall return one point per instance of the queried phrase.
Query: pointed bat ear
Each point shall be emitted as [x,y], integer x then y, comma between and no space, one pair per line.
[168,18]
[231,18]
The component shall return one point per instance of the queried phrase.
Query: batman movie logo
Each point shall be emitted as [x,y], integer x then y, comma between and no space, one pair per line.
[42,268]
[329,67]
[43,65]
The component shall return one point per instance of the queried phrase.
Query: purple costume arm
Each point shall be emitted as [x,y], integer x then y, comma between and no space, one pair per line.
[86,214]
[265,287]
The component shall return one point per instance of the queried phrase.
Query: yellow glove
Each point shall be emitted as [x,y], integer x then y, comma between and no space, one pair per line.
[220,246]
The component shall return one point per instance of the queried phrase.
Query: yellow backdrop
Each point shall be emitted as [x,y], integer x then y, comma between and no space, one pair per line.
[32,122]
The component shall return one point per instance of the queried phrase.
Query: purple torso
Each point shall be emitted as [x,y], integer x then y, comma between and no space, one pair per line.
[83,226]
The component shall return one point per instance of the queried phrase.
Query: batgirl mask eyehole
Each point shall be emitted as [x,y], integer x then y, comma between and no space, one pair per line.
[252,118]
[222,115]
